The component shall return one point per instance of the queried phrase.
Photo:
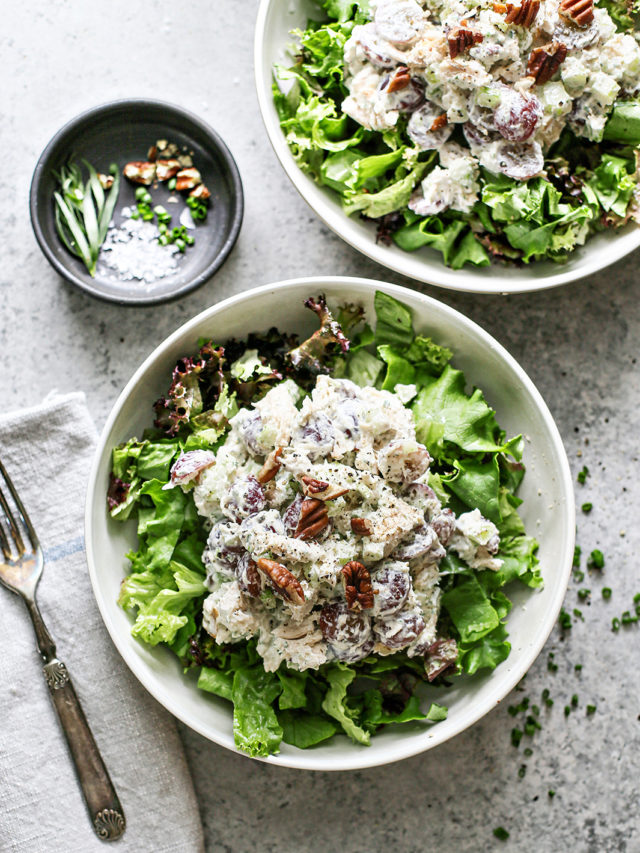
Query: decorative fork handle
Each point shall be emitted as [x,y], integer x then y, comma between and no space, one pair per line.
[99,794]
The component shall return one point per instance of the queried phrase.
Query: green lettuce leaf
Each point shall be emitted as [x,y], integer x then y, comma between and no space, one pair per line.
[485,653]
[216,681]
[334,704]
[256,729]
[394,324]
[305,730]
[470,610]
[476,483]
[399,370]
[466,421]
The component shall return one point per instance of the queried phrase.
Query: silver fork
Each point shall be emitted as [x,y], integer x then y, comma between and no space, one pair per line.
[20,572]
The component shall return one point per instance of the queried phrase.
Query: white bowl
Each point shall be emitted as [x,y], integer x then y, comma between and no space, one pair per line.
[548,512]
[276,18]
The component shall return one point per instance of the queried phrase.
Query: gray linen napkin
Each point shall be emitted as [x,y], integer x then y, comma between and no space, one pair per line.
[47,451]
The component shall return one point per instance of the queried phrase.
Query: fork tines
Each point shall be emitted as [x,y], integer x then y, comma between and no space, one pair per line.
[10,531]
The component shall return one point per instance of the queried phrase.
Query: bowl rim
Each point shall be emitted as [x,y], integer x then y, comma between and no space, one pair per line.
[216,143]
[365,758]
[408,264]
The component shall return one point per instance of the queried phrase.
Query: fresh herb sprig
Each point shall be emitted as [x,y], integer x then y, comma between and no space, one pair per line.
[83,210]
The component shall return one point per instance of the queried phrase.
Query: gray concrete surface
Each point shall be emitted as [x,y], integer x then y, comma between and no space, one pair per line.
[579,344]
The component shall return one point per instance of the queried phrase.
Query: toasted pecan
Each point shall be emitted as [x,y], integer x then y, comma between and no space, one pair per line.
[438,122]
[271,466]
[579,11]
[399,79]
[284,584]
[322,490]
[523,15]
[361,526]
[140,172]
[187,179]
[358,589]
[313,519]
[459,39]
[545,61]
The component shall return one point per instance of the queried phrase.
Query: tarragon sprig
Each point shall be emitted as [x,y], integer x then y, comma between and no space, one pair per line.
[83,210]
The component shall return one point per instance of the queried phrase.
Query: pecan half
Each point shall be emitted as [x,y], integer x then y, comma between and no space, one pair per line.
[438,122]
[545,61]
[579,11]
[106,181]
[399,79]
[271,466]
[313,519]
[361,526]
[524,14]
[358,590]
[200,192]
[187,179]
[284,584]
[166,169]
[321,490]
[140,172]
[459,39]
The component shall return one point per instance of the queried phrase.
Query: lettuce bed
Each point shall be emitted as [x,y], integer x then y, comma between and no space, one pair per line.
[474,466]
[588,186]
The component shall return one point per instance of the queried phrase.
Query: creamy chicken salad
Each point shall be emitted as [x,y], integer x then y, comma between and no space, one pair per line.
[482,129]
[317,516]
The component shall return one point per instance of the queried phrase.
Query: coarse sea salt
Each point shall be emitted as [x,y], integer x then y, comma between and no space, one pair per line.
[131,251]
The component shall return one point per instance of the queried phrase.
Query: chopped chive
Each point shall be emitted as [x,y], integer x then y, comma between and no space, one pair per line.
[578,575]
[578,613]
[582,475]
[584,593]
[546,698]
[591,709]
[587,507]
[615,624]
[627,618]
[522,770]
[551,793]
[535,710]
[606,592]
[577,551]
[574,700]
[501,833]
[578,667]
[565,620]
[567,710]
[528,752]
[516,737]
[596,559]
[636,598]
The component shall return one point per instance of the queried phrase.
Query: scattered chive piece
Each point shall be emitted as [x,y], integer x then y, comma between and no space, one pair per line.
[578,613]
[567,710]
[596,559]
[516,737]
[501,833]
[574,700]
[615,624]
[551,666]
[565,620]
[636,598]
[587,507]
[530,726]
[582,475]
[606,592]
[577,551]
[628,619]
[522,771]
[578,667]
[578,575]
[551,793]
[512,710]
[528,752]
[546,698]
[535,710]
[591,709]
[584,593]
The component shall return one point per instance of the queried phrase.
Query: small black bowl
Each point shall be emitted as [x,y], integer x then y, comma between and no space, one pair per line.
[120,132]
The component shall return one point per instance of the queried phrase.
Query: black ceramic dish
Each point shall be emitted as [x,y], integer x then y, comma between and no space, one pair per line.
[120,132]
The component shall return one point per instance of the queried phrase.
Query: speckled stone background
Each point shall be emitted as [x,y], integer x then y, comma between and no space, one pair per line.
[578,343]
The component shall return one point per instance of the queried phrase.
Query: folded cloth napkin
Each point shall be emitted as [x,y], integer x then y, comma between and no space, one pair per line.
[47,452]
